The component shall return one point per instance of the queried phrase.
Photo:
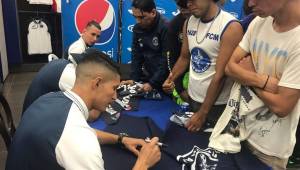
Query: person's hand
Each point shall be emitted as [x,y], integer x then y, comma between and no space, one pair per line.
[196,122]
[147,87]
[129,82]
[272,85]
[184,95]
[168,86]
[247,63]
[132,143]
[149,154]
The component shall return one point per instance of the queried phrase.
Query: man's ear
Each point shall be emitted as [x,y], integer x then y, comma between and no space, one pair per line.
[84,30]
[97,81]
[153,13]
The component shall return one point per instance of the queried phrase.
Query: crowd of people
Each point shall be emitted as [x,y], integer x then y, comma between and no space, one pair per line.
[196,57]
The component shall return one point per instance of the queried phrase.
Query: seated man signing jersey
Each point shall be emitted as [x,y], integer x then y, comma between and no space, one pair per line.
[53,133]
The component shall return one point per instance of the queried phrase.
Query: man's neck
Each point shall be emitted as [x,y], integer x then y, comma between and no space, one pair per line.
[82,94]
[211,13]
[288,17]
[153,23]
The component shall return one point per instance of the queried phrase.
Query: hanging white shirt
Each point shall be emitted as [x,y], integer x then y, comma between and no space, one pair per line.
[39,39]
[44,2]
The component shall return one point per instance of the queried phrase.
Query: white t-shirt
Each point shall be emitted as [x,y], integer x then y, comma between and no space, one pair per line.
[77,47]
[278,55]
[39,39]
[204,44]
[67,78]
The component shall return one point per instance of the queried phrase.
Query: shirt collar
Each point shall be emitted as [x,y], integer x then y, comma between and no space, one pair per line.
[82,41]
[78,102]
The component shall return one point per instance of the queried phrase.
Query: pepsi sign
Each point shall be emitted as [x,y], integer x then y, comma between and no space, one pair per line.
[102,11]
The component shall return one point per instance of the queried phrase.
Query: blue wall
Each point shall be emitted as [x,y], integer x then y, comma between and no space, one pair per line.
[11,32]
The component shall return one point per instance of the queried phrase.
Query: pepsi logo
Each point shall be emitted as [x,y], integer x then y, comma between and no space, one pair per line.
[130,11]
[101,11]
[130,28]
[129,49]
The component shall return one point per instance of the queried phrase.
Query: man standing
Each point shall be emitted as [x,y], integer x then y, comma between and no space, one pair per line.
[53,133]
[210,36]
[88,38]
[174,43]
[148,47]
[272,40]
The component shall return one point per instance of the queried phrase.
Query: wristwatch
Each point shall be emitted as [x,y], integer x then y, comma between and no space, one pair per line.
[120,138]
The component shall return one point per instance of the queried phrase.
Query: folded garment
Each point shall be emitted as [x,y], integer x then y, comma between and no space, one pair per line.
[191,151]
[129,89]
[181,118]
[110,115]
[230,129]
[199,158]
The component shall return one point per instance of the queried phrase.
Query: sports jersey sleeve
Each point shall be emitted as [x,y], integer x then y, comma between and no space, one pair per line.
[291,76]
[76,48]
[79,149]
[159,76]
[67,78]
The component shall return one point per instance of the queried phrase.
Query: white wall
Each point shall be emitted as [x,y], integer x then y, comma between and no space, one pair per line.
[3,45]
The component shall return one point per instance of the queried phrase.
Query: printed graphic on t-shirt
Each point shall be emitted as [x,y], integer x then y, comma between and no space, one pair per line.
[272,58]
[197,158]
[200,60]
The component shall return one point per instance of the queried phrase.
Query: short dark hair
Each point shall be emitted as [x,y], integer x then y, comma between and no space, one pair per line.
[144,5]
[93,23]
[181,3]
[216,1]
[92,55]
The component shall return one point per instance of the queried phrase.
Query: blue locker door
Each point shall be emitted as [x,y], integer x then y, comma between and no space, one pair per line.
[76,14]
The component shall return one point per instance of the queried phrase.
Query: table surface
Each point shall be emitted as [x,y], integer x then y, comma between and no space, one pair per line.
[158,110]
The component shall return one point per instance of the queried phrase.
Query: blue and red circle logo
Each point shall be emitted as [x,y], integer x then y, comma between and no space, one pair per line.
[101,11]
